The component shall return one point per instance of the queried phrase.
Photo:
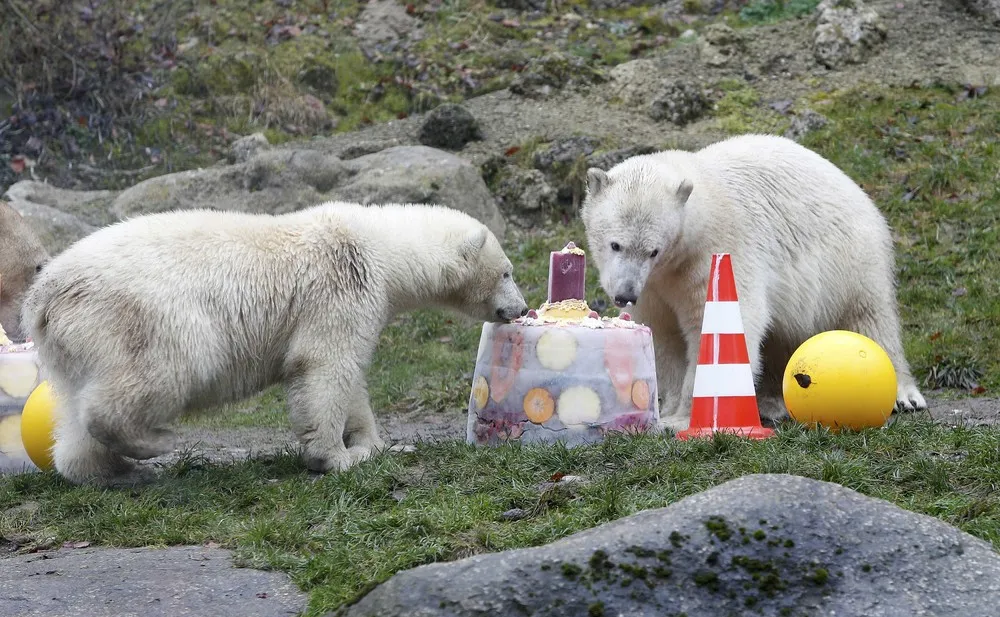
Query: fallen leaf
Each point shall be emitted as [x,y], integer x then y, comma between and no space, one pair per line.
[978,390]
[512,151]
[212,545]
[444,339]
[557,476]
[935,336]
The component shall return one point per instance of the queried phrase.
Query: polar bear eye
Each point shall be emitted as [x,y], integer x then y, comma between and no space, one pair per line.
[506,275]
[616,247]
[654,253]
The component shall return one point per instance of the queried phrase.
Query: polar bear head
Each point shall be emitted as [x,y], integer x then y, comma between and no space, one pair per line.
[633,215]
[21,258]
[486,287]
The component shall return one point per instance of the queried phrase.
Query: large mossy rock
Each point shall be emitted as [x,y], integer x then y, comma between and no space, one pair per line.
[773,545]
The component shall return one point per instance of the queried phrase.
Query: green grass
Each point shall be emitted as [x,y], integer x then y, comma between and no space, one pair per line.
[339,533]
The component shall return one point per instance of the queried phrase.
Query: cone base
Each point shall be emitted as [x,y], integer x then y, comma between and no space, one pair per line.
[751,432]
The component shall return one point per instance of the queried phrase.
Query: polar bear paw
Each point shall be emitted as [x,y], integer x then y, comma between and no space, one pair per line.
[341,459]
[674,424]
[909,398]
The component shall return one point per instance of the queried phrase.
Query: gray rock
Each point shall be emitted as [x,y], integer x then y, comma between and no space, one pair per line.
[720,45]
[678,102]
[449,126]
[762,544]
[545,75]
[280,180]
[142,582]
[635,82]
[419,174]
[565,152]
[847,32]
[988,9]
[804,123]
[384,26]
[60,217]
[245,148]
[525,190]
[607,160]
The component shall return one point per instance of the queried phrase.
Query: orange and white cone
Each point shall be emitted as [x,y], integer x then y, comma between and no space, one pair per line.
[724,397]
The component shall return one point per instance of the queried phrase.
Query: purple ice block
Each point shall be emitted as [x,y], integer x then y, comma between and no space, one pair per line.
[567,274]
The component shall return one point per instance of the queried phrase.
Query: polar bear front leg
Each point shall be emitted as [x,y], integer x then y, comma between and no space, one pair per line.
[320,397]
[361,431]
[679,417]
[670,353]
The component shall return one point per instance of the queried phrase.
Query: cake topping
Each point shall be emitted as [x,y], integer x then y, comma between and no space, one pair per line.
[567,274]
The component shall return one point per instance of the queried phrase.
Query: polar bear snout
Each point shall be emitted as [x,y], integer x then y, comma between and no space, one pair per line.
[508,314]
[625,298]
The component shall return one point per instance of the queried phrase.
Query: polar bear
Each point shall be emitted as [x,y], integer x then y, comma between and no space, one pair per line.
[22,257]
[165,314]
[810,252]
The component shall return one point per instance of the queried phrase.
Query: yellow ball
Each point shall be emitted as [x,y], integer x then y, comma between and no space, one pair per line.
[37,424]
[840,379]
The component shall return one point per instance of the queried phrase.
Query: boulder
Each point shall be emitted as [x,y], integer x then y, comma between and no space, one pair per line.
[769,544]
[60,217]
[720,45]
[449,126]
[987,9]
[419,174]
[279,180]
[847,32]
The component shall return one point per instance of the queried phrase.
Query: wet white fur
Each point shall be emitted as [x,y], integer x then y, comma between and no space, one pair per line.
[164,314]
[810,251]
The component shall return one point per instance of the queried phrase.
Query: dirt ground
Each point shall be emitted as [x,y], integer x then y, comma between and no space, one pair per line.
[407,429]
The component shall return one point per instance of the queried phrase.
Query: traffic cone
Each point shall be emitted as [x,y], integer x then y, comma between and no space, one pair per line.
[724,398]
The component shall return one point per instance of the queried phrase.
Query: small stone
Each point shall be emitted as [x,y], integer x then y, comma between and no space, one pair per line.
[244,148]
[514,514]
[679,103]
[805,123]
[555,71]
[449,126]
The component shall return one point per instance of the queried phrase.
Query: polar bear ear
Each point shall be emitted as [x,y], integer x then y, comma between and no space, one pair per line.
[474,242]
[684,190]
[597,179]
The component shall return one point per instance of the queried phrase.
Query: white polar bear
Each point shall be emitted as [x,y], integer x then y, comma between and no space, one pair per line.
[169,313]
[810,253]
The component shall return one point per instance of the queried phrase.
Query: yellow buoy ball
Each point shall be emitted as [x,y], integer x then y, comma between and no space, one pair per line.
[840,379]
[37,424]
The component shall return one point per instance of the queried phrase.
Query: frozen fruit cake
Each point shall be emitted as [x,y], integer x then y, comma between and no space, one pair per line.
[563,373]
